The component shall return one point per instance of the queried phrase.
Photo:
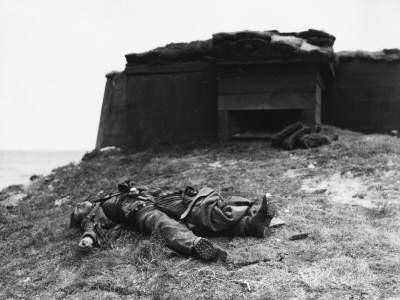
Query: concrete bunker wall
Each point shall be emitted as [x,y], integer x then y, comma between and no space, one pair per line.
[184,102]
[365,96]
[173,93]
[113,127]
[171,103]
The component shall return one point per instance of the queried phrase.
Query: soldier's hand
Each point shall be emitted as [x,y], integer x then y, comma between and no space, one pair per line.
[85,245]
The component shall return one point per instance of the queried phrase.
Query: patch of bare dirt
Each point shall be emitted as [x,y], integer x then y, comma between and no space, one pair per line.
[349,189]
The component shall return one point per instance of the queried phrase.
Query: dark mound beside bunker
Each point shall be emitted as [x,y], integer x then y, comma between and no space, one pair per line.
[243,46]
[298,135]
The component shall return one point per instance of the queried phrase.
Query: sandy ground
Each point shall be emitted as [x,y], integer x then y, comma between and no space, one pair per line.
[349,189]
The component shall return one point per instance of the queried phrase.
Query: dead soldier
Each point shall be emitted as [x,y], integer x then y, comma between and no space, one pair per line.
[180,218]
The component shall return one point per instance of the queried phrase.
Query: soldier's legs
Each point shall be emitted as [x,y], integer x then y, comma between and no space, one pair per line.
[176,235]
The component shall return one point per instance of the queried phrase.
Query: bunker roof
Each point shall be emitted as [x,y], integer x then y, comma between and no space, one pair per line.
[388,55]
[243,46]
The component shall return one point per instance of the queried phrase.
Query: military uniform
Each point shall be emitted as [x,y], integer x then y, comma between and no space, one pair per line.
[178,217]
[106,221]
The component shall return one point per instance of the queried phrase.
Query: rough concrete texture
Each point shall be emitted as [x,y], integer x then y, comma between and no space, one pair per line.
[151,106]
[365,96]
[113,127]
[172,107]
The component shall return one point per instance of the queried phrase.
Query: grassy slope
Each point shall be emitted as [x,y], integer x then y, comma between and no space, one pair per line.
[352,251]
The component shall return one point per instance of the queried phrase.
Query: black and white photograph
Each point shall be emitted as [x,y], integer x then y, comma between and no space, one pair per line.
[187,149]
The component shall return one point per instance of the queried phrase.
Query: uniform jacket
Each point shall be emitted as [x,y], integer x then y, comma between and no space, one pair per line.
[205,209]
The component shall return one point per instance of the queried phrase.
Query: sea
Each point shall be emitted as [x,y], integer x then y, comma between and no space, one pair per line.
[16,167]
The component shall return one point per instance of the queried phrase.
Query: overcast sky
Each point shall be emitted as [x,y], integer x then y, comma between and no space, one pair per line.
[54,54]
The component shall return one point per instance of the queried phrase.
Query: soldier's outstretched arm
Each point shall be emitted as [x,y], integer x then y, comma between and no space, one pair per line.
[89,237]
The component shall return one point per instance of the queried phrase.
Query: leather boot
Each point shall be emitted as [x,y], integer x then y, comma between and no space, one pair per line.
[258,226]
[207,250]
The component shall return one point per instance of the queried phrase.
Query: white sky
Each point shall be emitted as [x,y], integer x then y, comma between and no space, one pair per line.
[54,54]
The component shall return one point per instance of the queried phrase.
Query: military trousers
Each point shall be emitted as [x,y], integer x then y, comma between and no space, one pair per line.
[177,236]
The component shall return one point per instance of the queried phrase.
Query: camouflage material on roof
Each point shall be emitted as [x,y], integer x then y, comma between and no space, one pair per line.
[243,46]
[388,55]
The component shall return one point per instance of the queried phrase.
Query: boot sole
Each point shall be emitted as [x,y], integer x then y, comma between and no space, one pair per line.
[208,251]
[271,210]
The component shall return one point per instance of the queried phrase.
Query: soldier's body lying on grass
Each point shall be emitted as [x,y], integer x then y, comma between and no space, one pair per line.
[180,217]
